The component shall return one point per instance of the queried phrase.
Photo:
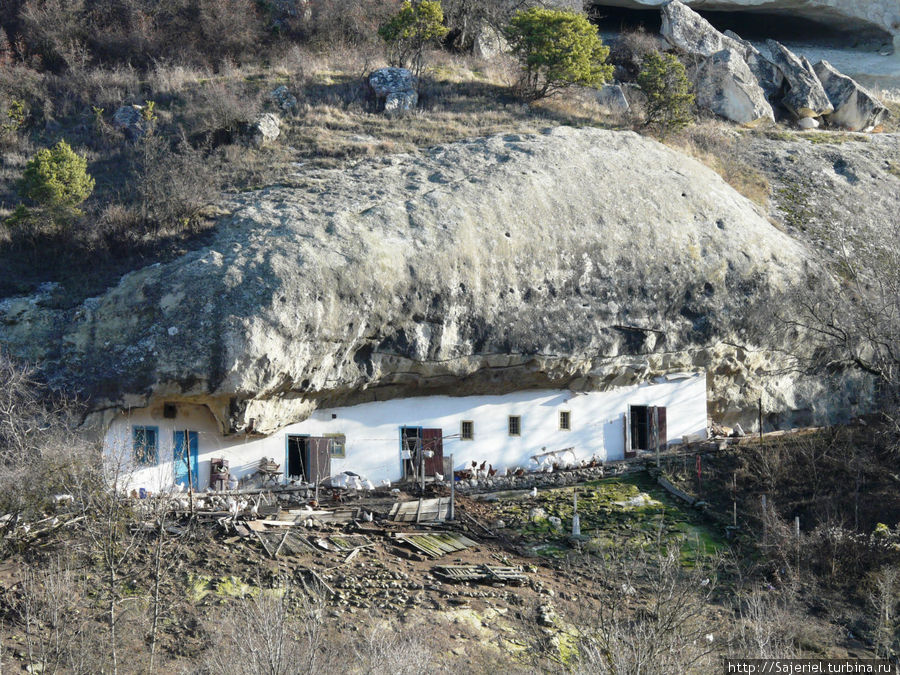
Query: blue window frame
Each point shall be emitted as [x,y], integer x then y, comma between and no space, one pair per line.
[145,443]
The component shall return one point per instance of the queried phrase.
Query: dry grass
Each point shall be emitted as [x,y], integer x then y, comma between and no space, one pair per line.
[712,142]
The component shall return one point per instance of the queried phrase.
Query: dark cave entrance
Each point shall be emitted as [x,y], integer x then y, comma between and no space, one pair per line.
[754,26]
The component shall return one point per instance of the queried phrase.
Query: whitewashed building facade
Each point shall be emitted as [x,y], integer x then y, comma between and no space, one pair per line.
[378,440]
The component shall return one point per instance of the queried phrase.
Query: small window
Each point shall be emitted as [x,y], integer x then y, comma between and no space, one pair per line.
[467,430]
[565,420]
[338,444]
[515,425]
[145,445]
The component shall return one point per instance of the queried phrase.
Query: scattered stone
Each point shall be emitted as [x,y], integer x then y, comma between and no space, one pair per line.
[726,86]
[284,99]
[395,90]
[265,129]
[130,120]
[805,96]
[611,99]
[855,107]
[546,615]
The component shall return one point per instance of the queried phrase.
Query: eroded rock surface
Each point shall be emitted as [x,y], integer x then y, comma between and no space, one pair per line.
[878,16]
[725,85]
[579,258]
[855,107]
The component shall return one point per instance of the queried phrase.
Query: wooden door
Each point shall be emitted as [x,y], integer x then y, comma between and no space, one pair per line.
[433,439]
[660,417]
[185,456]
[319,458]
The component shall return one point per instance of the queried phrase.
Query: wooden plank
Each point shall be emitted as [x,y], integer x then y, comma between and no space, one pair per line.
[283,539]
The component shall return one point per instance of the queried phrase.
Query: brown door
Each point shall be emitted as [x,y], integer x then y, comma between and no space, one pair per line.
[661,426]
[319,454]
[433,439]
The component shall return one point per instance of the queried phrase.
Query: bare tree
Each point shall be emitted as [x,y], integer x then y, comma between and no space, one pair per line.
[883,597]
[278,631]
[855,321]
[657,619]
[764,629]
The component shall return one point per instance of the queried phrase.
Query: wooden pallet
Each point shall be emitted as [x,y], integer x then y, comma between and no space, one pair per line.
[340,515]
[344,542]
[435,544]
[482,573]
[421,511]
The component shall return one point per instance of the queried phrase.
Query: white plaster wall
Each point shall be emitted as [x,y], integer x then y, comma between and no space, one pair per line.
[373,429]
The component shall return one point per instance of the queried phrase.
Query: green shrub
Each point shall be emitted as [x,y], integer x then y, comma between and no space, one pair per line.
[15,115]
[57,179]
[556,49]
[669,99]
[409,31]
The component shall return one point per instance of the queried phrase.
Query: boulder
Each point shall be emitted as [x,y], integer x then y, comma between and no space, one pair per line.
[611,98]
[689,32]
[770,78]
[686,30]
[130,120]
[395,90]
[265,129]
[725,86]
[805,96]
[855,107]
[484,266]
[489,43]
[284,99]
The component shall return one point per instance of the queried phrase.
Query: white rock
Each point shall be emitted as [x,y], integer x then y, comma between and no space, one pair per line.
[808,123]
[611,98]
[396,89]
[265,129]
[805,96]
[725,86]
[855,107]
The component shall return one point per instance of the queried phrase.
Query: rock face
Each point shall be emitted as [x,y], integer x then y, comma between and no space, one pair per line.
[725,85]
[769,77]
[805,96]
[855,107]
[876,16]
[395,90]
[579,258]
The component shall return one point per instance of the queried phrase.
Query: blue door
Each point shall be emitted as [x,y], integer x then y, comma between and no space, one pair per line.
[183,456]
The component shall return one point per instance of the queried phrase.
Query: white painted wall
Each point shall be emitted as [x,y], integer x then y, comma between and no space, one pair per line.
[373,429]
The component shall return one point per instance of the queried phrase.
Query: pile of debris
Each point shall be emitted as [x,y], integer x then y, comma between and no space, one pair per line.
[734,80]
